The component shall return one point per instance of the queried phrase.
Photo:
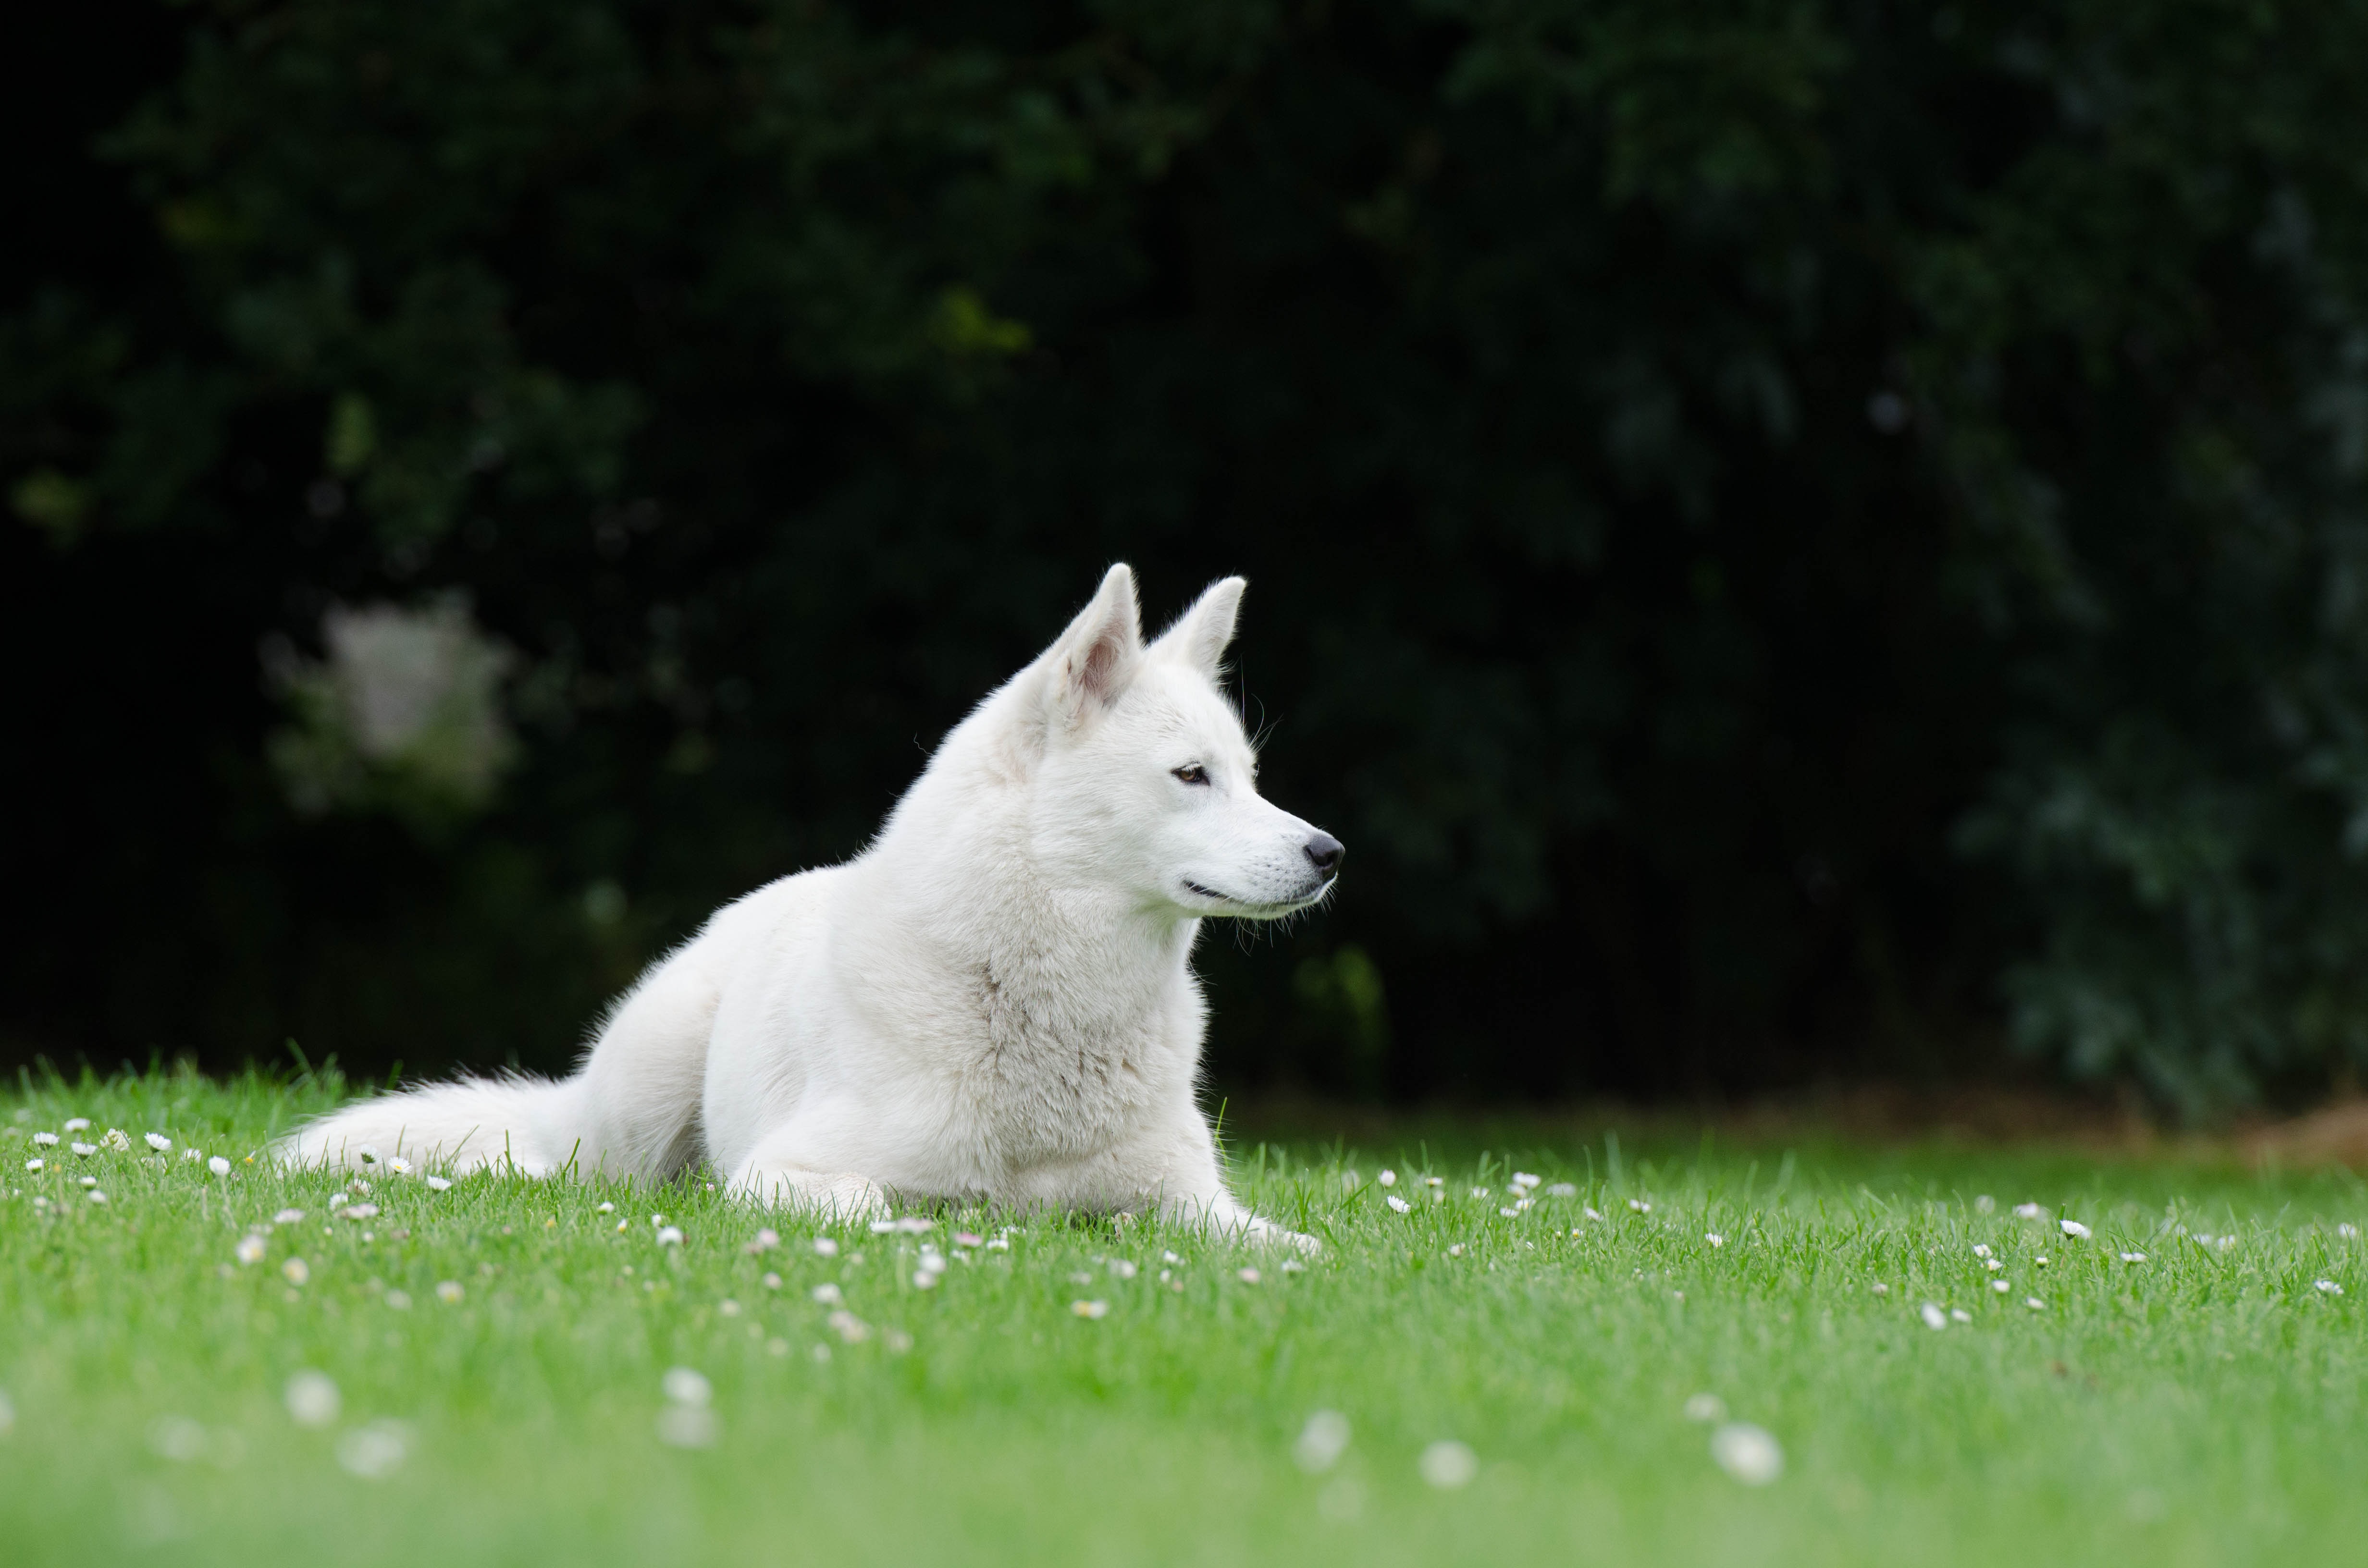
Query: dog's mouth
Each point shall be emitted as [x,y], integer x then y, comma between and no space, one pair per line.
[1255,909]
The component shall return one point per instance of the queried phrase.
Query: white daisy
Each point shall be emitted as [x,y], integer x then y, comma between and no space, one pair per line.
[118,1139]
[1479,1192]
[1934,1318]
[669,1235]
[194,1155]
[84,1149]
[1589,1212]
[1959,1314]
[288,1217]
[606,1208]
[159,1142]
[1388,1179]
[1747,1453]
[1397,1205]
[2029,1212]
[1091,1309]
[770,1281]
[1322,1441]
[1248,1276]
[295,1271]
[2134,1258]
[2348,1230]
[45,1140]
[1715,1239]
[2001,1285]
[1981,1249]
[35,1165]
[250,1249]
[829,1295]
[1447,1464]
[2327,1287]
[2034,1303]
[399,1165]
[77,1124]
[1562,1190]
[219,1165]
[924,1280]
[449,1291]
[1640,1206]
[1119,1268]
[825,1247]
[2073,1228]
[96,1196]
[438,1184]
[763,1242]
[311,1398]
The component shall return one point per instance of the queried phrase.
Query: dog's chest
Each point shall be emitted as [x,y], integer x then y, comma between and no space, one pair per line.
[1063,1067]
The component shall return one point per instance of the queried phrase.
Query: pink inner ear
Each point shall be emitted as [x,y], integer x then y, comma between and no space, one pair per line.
[1101,664]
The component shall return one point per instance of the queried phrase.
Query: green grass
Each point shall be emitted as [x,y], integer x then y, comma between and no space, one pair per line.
[2202,1406]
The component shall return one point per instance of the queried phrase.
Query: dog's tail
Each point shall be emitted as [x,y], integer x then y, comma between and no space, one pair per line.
[529,1125]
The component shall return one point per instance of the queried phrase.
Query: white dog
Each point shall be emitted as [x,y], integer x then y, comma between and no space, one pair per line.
[992,1002]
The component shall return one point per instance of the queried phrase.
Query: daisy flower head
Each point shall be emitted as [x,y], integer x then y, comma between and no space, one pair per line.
[1959,1314]
[399,1165]
[194,1155]
[84,1149]
[764,1241]
[1090,1310]
[2029,1212]
[449,1291]
[2348,1230]
[1397,1205]
[825,1247]
[1322,1441]
[1248,1276]
[2001,1285]
[118,1139]
[77,1124]
[1640,1206]
[1387,1178]
[1934,1318]
[669,1235]
[159,1142]
[1562,1190]
[295,1271]
[2134,1258]
[311,1398]
[45,1140]
[1449,1465]
[35,1163]
[1714,1238]
[1746,1452]
[438,1184]
[219,1165]
[2034,1303]
[2327,1287]
[250,1249]
[2073,1228]
[95,1196]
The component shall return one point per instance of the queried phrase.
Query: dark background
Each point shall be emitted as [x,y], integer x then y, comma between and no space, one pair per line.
[1793,541]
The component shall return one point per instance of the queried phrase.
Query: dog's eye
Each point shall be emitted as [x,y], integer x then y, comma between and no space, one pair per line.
[1192,773]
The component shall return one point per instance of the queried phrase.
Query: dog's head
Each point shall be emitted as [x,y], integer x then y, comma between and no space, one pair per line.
[1141,771]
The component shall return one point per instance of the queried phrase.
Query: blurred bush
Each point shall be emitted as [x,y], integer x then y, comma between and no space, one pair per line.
[1789,539]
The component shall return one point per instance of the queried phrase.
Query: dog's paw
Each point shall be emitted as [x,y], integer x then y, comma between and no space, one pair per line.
[1266,1233]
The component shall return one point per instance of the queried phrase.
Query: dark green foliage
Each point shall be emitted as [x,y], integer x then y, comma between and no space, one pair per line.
[1781,534]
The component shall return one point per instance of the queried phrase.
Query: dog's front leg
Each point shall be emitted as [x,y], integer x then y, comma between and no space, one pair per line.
[840,1195]
[1196,1195]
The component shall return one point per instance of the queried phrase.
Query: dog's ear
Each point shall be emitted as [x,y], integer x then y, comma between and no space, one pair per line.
[1200,634]
[1098,655]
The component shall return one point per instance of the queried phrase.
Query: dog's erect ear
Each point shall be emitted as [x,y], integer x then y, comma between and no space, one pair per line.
[1201,633]
[1098,655]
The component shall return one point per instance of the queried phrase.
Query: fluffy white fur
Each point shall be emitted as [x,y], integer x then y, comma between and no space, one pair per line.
[994,1001]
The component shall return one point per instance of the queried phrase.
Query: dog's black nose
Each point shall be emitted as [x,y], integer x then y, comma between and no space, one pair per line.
[1325,851]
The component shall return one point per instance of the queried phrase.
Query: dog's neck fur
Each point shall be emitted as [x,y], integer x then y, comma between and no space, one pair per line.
[1041,959]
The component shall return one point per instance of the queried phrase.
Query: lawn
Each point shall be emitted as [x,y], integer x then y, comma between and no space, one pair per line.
[512,1372]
